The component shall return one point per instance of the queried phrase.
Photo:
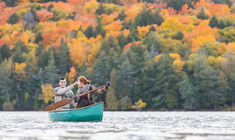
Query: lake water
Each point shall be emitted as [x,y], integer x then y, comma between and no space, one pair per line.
[121,126]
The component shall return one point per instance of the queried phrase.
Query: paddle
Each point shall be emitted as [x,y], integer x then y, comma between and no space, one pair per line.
[68,100]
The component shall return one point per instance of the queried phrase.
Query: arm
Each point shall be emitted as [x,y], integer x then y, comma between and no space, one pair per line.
[100,91]
[62,91]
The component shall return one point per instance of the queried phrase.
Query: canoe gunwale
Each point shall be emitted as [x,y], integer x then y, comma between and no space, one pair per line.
[77,108]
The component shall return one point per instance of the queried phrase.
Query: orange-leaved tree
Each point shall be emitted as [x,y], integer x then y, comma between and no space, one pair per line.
[78,7]
[44,15]
[72,74]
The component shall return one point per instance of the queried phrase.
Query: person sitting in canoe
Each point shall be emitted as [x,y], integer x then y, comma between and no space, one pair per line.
[84,85]
[63,92]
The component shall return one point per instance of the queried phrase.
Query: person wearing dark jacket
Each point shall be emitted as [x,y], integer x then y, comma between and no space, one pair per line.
[84,85]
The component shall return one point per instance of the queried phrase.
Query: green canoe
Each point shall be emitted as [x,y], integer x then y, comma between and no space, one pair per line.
[90,113]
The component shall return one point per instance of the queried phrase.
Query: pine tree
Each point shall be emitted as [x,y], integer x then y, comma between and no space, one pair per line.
[146,17]
[221,24]
[99,29]
[187,93]
[202,14]
[50,7]
[6,81]
[213,22]
[205,82]
[126,80]
[89,32]
[38,37]
[160,83]
[63,58]
[101,69]
[43,59]
[230,74]
[122,40]
[10,3]
[50,73]
[108,44]
[5,51]
[1,58]
[121,16]
[13,19]
[111,98]
[100,10]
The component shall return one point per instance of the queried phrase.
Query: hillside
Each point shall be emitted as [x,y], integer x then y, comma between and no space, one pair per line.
[165,54]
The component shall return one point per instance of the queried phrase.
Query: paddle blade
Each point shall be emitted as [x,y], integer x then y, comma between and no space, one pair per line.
[58,104]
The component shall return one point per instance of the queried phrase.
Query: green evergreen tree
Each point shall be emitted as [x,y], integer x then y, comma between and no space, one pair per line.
[111,99]
[63,58]
[99,29]
[213,22]
[89,32]
[228,2]
[6,82]
[50,73]
[1,58]
[38,38]
[178,36]
[13,19]
[109,44]
[221,24]
[50,7]
[19,49]
[154,45]
[100,10]
[121,16]
[101,69]
[122,40]
[205,82]
[146,17]
[126,80]
[22,47]
[10,3]
[5,51]
[160,84]
[202,14]
[230,74]
[187,93]
[43,59]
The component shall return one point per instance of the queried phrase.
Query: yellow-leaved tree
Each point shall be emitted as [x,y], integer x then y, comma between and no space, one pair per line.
[173,24]
[143,31]
[178,63]
[48,93]
[139,105]
[19,70]
[91,6]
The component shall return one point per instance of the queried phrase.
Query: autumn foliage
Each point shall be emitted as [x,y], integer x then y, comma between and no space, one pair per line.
[164,50]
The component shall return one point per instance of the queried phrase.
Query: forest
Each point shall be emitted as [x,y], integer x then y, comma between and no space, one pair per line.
[157,54]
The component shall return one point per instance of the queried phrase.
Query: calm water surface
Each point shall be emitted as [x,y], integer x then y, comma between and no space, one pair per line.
[121,126]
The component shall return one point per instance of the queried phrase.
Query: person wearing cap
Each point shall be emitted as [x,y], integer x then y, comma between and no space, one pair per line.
[63,92]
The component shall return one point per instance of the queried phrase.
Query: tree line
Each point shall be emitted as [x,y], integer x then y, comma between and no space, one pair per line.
[161,58]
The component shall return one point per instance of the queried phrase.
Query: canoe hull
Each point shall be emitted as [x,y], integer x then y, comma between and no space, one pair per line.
[92,113]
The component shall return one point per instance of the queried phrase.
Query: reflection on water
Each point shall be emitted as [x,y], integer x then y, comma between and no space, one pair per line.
[121,126]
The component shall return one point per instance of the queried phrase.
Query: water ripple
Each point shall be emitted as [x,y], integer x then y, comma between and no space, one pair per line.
[121,125]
